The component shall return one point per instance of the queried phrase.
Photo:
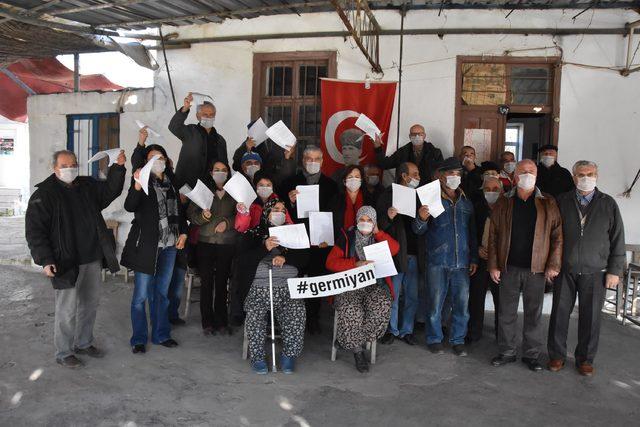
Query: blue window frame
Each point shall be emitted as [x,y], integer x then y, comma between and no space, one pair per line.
[89,133]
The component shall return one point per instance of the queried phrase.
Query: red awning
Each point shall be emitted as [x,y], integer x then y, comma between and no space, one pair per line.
[43,76]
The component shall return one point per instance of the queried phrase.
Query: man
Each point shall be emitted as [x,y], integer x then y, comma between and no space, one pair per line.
[407,259]
[452,256]
[202,145]
[250,164]
[552,178]
[351,142]
[311,175]
[373,181]
[525,249]
[471,173]
[483,203]
[276,161]
[68,237]
[507,168]
[593,258]
[423,154]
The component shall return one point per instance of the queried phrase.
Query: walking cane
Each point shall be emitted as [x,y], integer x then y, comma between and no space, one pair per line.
[273,328]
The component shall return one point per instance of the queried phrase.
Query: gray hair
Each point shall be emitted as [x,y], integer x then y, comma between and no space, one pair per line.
[54,158]
[351,137]
[311,149]
[581,163]
[200,106]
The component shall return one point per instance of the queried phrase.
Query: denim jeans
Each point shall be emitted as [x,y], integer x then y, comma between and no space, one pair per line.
[153,288]
[175,292]
[405,283]
[441,282]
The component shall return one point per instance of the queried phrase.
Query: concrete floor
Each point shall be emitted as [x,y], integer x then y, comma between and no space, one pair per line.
[205,382]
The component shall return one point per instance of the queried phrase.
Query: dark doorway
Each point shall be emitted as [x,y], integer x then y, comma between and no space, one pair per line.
[525,133]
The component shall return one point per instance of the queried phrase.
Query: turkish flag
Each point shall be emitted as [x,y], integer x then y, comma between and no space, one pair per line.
[342,103]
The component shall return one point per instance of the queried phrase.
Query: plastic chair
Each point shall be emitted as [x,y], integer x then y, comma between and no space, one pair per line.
[371,345]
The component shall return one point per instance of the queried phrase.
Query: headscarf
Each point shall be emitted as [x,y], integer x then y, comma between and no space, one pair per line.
[361,239]
[262,229]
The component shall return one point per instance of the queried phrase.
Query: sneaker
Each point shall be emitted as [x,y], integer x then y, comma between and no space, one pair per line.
[436,348]
[70,362]
[287,364]
[177,322]
[170,343]
[139,348]
[260,367]
[387,338]
[90,351]
[460,350]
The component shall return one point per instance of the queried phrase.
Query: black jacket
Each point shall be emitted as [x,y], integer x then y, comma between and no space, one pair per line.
[472,182]
[49,223]
[554,180]
[328,189]
[192,162]
[599,244]
[431,157]
[140,251]
[273,161]
[396,229]
[338,204]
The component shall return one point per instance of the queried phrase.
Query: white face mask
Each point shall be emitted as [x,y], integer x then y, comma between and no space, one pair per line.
[252,169]
[373,180]
[219,177]
[526,181]
[491,196]
[509,167]
[353,184]
[207,122]
[453,181]
[365,227]
[413,183]
[158,167]
[417,140]
[264,191]
[67,175]
[586,183]
[277,218]
[312,167]
[548,161]
[468,160]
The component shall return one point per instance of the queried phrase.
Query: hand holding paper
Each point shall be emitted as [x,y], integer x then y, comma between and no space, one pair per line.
[380,254]
[145,173]
[321,228]
[404,200]
[366,125]
[258,131]
[281,135]
[240,189]
[152,133]
[293,236]
[200,195]
[112,154]
[430,195]
[307,200]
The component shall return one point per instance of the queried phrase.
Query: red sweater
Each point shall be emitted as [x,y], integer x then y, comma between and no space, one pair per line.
[246,221]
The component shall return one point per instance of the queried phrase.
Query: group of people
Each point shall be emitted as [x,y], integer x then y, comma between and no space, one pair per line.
[508,228]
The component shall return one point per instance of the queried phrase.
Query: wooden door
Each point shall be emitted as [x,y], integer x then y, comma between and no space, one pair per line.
[483,130]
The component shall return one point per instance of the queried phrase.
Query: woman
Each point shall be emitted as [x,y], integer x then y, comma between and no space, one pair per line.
[215,250]
[363,314]
[263,254]
[250,218]
[157,232]
[352,196]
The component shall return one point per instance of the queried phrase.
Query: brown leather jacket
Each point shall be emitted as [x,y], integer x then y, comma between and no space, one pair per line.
[547,243]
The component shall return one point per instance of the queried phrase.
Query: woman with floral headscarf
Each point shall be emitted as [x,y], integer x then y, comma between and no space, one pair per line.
[261,255]
[363,314]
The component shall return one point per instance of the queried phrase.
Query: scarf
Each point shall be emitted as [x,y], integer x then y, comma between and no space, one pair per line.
[350,209]
[364,240]
[311,179]
[261,231]
[168,217]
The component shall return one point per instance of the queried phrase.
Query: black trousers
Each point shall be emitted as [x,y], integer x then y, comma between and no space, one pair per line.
[316,267]
[514,281]
[480,283]
[214,267]
[590,290]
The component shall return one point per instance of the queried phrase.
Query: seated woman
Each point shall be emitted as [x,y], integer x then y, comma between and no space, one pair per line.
[250,218]
[158,230]
[351,196]
[263,255]
[363,314]
[215,249]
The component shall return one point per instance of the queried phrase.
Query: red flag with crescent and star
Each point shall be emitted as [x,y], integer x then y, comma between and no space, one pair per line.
[342,103]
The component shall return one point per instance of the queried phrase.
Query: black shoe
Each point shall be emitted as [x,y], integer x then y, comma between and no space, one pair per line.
[169,343]
[409,339]
[387,338]
[502,360]
[177,322]
[362,364]
[460,350]
[436,348]
[532,364]
[138,348]
[419,326]
[90,351]
[70,362]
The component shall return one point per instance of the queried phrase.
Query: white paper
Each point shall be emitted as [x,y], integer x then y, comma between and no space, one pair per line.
[321,228]
[293,236]
[429,194]
[200,195]
[240,189]
[145,173]
[281,135]
[380,254]
[366,125]
[200,98]
[112,154]
[152,133]
[404,200]
[258,131]
[307,200]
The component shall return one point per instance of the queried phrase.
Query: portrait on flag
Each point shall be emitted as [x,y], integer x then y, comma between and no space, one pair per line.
[343,102]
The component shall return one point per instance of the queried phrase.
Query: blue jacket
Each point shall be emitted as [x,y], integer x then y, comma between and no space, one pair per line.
[450,238]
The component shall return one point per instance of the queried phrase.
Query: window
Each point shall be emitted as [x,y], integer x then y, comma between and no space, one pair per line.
[513,139]
[286,86]
[88,134]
